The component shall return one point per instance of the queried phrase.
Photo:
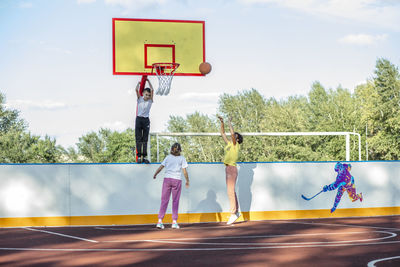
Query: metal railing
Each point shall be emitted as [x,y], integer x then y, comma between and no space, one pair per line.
[346,134]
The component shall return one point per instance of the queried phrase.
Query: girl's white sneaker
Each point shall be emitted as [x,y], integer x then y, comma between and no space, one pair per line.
[175,226]
[233,218]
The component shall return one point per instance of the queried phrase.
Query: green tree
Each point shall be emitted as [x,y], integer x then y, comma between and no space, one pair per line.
[248,110]
[106,146]
[17,145]
[9,118]
[323,110]
[195,148]
[380,100]
[332,111]
[372,110]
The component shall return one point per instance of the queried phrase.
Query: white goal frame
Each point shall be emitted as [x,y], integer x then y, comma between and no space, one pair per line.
[346,134]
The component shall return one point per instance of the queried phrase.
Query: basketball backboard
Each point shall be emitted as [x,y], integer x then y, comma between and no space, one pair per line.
[138,43]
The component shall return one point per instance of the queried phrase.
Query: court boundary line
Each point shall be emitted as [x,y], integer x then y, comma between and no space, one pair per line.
[244,246]
[372,263]
[279,243]
[195,249]
[391,235]
[349,225]
[63,235]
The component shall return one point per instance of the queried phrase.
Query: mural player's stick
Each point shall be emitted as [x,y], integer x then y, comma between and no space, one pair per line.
[309,198]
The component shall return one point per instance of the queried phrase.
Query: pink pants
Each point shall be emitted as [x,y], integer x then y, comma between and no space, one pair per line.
[231,177]
[173,186]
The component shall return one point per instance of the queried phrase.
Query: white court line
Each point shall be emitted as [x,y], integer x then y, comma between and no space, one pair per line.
[196,249]
[391,235]
[284,246]
[350,225]
[372,263]
[156,229]
[228,227]
[273,243]
[54,233]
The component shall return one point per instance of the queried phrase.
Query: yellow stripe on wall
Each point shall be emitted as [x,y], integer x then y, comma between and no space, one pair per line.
[195,217]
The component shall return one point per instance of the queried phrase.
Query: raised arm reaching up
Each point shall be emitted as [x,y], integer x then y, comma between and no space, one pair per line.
[223,130]
[233,135]
[137,90]
[152,90]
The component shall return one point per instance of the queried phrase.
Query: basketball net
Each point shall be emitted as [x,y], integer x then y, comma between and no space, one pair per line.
[165,73]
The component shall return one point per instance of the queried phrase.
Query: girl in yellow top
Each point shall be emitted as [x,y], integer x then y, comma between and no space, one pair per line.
[231,156]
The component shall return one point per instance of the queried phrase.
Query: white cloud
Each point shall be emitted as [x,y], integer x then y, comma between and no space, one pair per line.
[85,1]
[118,126]
[53,48]
[199,97]
[25,5]
[132,5]
[374,12]
[29,104]
[49,47]
[362,39]
[59,50]
[204,11]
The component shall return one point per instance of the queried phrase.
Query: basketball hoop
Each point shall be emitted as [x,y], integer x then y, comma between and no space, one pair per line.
[165,73]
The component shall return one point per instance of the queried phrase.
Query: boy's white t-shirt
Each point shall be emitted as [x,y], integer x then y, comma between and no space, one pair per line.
[143,107]
[173,166]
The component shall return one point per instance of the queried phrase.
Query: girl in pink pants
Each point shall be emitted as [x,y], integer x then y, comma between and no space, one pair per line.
[174,164]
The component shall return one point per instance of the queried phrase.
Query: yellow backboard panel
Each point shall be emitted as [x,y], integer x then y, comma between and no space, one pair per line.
[138,43]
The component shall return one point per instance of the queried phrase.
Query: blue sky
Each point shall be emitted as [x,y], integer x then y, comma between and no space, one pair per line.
[56,56]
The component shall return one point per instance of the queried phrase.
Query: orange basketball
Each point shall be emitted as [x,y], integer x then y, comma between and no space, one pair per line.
[205,68]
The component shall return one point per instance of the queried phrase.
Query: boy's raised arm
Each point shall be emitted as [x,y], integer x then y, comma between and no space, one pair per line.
[137,90]
[151,90]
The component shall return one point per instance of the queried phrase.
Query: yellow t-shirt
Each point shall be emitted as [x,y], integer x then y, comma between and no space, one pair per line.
[231,154]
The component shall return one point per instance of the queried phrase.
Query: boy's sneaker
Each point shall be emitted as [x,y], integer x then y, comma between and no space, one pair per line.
[139,160]
[175,226]
[146,161]
[233,218]
[160,226]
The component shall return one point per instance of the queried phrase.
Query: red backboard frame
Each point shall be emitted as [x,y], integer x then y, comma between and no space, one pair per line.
[147,65]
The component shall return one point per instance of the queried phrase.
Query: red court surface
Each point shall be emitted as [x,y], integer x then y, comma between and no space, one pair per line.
[371,241]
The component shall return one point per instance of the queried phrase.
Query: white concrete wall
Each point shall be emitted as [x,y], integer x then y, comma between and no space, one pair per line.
[121,189]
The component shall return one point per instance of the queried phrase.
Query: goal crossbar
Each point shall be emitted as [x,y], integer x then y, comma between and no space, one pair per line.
[346,134]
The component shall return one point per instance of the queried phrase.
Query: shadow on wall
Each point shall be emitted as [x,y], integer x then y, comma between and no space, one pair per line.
[245,180]
[209,204]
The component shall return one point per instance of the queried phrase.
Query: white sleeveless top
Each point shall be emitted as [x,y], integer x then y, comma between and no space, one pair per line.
[143,107]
